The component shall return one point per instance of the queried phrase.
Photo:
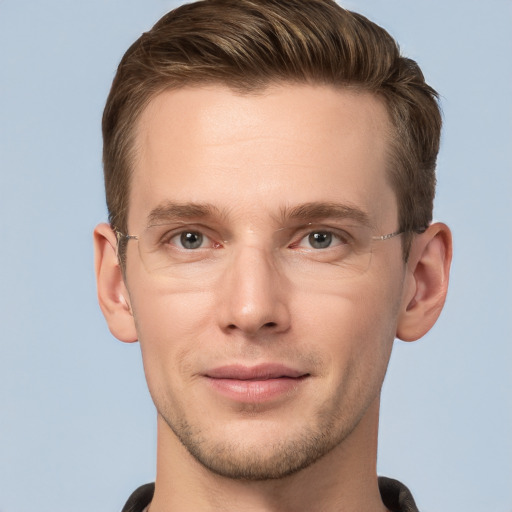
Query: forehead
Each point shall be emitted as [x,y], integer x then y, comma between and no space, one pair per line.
[254,154]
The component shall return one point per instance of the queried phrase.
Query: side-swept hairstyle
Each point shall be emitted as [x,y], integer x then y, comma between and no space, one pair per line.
[251,44]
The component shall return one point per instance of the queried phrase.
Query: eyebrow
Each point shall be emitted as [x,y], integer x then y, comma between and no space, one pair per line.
[306,212]
[320,211]
[171,211]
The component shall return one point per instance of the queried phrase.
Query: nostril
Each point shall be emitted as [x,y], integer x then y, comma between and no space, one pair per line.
[268,325]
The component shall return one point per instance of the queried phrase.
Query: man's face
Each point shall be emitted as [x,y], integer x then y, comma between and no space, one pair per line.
[264,339]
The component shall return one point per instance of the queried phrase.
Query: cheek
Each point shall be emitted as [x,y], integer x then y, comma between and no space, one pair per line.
[352,310]
[354,328]
[171,327]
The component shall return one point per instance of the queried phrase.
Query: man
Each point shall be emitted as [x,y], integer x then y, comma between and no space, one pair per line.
[269,170]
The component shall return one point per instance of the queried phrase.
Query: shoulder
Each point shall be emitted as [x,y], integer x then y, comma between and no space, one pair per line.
[396,496]
[140,498]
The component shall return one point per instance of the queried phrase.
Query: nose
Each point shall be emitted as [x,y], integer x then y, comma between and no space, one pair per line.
[254,298]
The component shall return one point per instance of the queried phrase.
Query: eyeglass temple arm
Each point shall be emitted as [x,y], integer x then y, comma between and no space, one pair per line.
[400,232]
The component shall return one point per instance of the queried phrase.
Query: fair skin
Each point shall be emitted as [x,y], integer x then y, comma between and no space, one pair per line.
[265,352]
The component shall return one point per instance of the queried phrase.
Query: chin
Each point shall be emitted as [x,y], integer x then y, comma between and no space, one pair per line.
[269,457]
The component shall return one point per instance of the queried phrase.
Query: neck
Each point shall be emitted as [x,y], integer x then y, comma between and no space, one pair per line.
[344,479]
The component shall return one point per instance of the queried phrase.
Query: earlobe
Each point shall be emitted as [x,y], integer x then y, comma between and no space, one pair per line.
[426,283]
[112,293]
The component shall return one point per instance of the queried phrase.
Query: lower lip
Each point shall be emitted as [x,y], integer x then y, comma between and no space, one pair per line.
[256,391]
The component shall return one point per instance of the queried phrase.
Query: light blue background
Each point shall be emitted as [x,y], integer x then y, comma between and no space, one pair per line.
[77,427]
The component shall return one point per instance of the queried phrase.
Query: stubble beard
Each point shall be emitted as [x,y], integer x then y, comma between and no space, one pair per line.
[266,461]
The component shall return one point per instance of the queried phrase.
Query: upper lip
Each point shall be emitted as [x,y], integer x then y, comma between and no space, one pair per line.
[258,372]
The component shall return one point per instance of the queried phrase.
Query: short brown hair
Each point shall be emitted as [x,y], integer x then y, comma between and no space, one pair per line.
[251,44]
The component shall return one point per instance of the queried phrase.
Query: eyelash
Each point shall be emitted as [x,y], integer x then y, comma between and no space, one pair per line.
[333,236]
[342,237]
[169,237]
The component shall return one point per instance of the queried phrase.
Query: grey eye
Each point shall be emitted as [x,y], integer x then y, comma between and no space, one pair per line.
[320,239]
[191,239]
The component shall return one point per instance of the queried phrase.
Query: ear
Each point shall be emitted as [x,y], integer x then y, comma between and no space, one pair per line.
[112,293]
[426,284]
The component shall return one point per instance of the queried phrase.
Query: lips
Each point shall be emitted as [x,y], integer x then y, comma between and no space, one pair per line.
[260,372]
[259,383]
